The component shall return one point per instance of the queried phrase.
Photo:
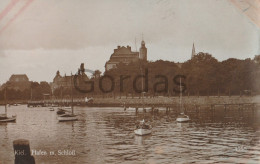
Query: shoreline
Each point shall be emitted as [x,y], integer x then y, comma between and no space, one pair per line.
[166,101]
[155,101]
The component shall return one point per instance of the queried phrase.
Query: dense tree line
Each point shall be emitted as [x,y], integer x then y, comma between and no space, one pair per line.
[202,75]
[233,76]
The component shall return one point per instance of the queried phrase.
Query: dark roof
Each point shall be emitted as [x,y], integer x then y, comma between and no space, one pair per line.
[19,77]
[123,51]
[123,54]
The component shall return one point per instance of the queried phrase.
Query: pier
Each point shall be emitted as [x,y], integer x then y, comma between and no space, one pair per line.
[59,102]
[169,103]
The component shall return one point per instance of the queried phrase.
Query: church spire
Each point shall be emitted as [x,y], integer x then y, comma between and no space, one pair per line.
[193,53]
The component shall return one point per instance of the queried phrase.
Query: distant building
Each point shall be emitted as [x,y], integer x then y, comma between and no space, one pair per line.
[126,55]
[19,78]
[18,82]
[67,81]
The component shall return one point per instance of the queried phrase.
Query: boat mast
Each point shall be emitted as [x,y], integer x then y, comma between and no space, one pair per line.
[135,45]
[61,96]
[72,111]
[180,96]
[142,88]
[31,92]
[5,102]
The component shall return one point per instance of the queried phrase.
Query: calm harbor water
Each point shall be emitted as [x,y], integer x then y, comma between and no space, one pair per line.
[105,135]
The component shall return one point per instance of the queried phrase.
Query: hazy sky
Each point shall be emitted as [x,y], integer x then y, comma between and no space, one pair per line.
[39,37]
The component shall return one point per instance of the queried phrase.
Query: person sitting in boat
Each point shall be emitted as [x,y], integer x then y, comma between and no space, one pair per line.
[182,115]
[142,125]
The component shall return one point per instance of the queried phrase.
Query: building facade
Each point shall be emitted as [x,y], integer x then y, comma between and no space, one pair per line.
[125,55]
[68,81]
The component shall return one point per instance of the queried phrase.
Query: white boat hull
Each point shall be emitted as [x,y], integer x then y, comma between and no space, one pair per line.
[63,119]
[131,108]
[142,132]
[67,118]
[183,119]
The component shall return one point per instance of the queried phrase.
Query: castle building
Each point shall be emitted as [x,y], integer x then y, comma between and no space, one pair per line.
[125,55]
[66,81]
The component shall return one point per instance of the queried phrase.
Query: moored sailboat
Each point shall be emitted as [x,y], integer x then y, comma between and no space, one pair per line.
[3,117]
[69,116]
[60,109]
[182,117]
[52,105]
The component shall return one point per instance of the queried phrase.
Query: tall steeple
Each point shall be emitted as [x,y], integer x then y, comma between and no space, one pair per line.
[193,53]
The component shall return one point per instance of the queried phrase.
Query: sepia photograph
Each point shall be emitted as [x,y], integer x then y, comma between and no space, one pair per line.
[129,81]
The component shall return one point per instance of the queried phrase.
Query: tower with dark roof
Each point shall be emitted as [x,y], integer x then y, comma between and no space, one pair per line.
[143,51]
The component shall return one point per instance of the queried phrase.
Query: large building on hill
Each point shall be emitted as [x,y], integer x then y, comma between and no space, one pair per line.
[126,55]
[18,82]
[66,81]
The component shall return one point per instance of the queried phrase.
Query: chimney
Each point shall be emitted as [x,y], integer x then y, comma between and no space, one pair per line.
[82,67]
[128,47]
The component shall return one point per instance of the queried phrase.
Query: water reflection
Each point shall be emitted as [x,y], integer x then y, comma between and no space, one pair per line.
[105,135]
[142,140]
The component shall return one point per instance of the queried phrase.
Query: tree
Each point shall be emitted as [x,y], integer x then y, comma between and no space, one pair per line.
[257,59]
[201,72]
